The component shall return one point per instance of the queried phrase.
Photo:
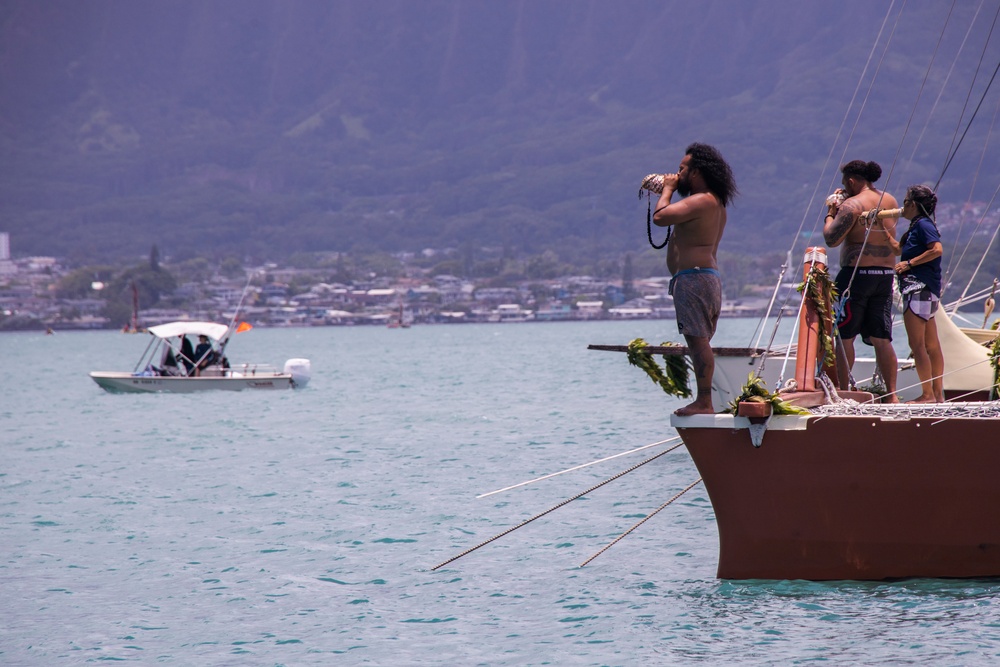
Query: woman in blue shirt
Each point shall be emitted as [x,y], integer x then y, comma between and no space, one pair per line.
[919,274]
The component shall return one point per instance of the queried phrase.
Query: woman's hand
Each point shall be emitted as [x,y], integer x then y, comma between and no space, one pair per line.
[902,267]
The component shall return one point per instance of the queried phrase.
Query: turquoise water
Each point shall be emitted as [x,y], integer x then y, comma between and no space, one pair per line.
[300,527]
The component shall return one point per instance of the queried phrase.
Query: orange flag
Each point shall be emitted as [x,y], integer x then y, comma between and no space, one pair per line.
[244,326]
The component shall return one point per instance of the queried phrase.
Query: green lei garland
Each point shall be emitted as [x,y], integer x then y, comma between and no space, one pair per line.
[754,391]
[674,379]
[823,293]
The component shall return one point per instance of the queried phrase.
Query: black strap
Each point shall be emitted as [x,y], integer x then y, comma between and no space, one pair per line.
[649,224]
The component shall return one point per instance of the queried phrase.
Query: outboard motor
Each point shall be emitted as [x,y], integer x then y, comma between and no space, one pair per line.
[300,370]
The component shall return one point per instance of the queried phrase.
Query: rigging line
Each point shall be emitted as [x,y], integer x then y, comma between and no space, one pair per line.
[988,359]
[857,120]
[871,84]
[840,130]
[971,119]
[864,244]
[840,353]
[972,85]
[864,103]
[770,344]
[958,399]
[770,305]
[971,297]
[944,86]
[847,114]
[952,306]
[961,225]
[551,509]
[584,465]
[988,245]
[873,399]
[789,347]
[236,313]
[795,331]
[139,364]
[916,101]
[651,515]
[902,138]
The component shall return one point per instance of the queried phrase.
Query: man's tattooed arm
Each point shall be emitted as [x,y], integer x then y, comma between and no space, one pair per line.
[835,230]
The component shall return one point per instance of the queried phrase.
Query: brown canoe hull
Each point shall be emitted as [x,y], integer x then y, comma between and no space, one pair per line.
[852,497]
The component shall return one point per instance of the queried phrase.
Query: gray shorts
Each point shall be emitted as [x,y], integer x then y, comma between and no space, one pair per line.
[697,301]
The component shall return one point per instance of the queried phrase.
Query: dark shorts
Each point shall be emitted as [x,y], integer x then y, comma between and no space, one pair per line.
[868,309]
[697,301]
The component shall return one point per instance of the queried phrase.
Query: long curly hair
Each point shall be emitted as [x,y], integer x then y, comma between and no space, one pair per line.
[715,170]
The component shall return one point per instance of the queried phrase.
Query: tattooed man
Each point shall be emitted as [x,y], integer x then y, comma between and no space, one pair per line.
[866,272]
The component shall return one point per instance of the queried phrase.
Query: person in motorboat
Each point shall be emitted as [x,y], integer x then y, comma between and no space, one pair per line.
[204,354]
[168,363]
[171,361]
[187,355]
[706,183]
[919,274]
[865,279]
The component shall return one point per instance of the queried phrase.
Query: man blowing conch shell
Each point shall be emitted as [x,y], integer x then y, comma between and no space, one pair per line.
[706,183]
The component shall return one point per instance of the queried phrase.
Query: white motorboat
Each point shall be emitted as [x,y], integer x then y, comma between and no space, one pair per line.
[178,370]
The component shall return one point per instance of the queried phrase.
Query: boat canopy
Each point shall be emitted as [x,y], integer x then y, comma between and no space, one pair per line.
[170,329]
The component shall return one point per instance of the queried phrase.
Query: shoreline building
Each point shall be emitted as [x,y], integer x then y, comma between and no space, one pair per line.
[7,266]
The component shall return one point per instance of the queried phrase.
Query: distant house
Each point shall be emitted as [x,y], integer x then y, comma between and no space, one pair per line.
[333,316]
[511,312]
[380,296]
[590,310]
[496,295]
[274,293]
[558,311]
[630,313]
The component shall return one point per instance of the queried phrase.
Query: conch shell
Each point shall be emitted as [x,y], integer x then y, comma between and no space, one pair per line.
[836,199]
[653,183]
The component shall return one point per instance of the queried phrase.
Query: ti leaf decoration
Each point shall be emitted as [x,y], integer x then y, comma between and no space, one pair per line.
[754,391]
[673,378]
[821,290]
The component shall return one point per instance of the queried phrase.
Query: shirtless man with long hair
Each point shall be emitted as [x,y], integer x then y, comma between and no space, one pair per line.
[866,266]
[707,186]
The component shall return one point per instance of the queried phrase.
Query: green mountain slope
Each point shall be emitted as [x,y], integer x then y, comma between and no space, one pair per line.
[266,128]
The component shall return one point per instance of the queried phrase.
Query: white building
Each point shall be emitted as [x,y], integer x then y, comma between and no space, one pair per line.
[7,267]
[590,310]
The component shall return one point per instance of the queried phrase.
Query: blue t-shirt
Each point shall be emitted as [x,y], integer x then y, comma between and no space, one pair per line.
[922,233]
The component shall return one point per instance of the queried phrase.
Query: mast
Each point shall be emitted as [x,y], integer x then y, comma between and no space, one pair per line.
[135,308]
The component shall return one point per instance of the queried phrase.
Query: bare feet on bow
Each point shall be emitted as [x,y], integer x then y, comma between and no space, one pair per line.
[924,399]
[699,407]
